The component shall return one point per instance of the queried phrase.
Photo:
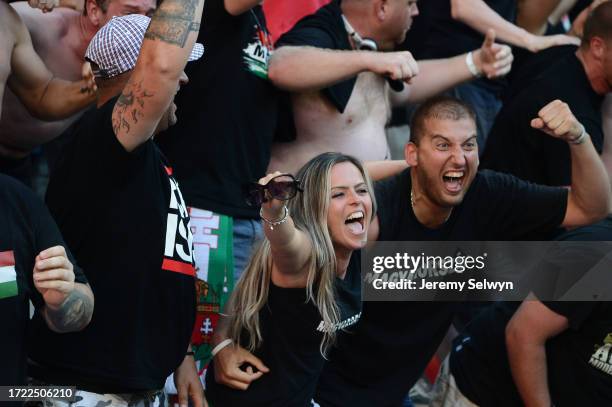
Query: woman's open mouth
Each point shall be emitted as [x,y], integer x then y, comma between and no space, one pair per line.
[355,222]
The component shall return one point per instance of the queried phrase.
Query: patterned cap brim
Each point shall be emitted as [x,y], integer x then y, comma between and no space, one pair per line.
[196,52]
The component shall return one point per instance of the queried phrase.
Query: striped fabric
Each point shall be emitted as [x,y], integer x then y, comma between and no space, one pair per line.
[8,276]
[115,47]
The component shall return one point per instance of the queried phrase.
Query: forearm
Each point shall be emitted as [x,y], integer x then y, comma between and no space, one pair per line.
[533,15]
[74,313]
[383,169]
[281,235]
[221,330]
[528,366]
[77,5]
[169,39]
[606,155]
[563,7]
[290,248]
[300,69]
[590,183]
[61,99]
[478,15]
[435,77]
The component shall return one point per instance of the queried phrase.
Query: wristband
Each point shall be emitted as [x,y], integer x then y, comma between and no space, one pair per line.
[220,346]
[580,139]
[190,353]
[469,61]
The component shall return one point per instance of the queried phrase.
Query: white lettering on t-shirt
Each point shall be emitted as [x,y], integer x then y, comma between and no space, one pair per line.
[178,250]
[323,327]
[602,358]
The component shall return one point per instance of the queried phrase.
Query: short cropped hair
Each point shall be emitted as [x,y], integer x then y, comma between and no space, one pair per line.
[598,24]
[440,107]
[102,4]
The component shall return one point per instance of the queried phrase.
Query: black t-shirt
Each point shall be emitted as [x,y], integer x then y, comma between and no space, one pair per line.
[227,114]
[479,359]
[515,147]
[26,229]
[394,341]
[291,345]
[125,219]
[579,369]
[324,29]
[446,37]
[579,363]
[435,34]
[528,67]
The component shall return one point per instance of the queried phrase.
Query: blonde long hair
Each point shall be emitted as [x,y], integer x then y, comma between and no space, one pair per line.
[309,213]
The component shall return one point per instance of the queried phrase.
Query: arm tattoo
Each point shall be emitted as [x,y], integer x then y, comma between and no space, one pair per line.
[74,314]
[129,106]
[173,22]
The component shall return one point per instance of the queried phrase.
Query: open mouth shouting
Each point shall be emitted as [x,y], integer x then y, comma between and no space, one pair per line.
[453,180]
[355,222]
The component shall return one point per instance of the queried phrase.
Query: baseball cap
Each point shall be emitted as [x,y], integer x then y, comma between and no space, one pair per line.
[115,47]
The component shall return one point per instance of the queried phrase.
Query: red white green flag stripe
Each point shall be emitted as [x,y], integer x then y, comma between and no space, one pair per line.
[8,276]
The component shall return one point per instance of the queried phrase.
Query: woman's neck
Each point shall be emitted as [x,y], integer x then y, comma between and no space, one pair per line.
[343,257]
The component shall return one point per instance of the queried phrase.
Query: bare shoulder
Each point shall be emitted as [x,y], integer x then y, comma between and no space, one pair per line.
[10,25]
[50,25]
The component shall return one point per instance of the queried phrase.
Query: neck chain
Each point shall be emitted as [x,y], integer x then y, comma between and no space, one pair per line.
[413,211]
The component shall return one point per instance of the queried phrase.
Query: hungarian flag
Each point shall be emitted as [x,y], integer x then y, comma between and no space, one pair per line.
[281,15]
[8,276]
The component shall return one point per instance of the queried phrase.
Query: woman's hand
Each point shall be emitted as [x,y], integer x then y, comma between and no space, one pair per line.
[227,367]
[273,209]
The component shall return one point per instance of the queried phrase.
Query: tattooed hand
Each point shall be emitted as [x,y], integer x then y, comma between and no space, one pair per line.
[69,305]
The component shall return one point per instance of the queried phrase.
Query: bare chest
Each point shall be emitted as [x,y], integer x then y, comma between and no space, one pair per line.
[369,100]
[7,42]
[60,55]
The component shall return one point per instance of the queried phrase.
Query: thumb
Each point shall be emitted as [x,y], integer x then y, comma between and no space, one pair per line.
[489,38]
[257,363]
[86,71]
[537,123]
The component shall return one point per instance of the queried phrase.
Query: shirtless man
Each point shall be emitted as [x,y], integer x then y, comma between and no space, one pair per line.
[60,38]
[320,57]
[45,96]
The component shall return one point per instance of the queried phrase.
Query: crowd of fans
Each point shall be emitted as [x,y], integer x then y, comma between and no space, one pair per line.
[211,170]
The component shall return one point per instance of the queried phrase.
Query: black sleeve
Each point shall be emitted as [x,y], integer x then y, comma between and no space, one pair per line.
[386,200]
[575,312]
[557,155]
[515,207]
[311,31]
[99,156]
[46,235]
[214,13]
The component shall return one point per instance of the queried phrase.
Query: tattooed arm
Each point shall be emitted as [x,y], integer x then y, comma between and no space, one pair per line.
[68,305]
[147,97]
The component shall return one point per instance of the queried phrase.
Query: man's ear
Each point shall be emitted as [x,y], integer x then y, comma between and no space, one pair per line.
[381,8]
[598,47]
[411,153]
[94,13]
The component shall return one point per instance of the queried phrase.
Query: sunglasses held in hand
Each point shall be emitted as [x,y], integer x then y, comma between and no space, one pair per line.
[282,187]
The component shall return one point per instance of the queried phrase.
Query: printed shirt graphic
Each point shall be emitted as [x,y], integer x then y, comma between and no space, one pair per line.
[602,358]
[8,276]
[257,53]
[178,251]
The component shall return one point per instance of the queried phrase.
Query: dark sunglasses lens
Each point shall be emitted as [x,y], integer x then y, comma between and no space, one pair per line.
[255,195]
[283,187]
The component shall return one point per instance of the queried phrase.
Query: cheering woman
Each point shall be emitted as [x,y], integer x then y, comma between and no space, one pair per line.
[301,287]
